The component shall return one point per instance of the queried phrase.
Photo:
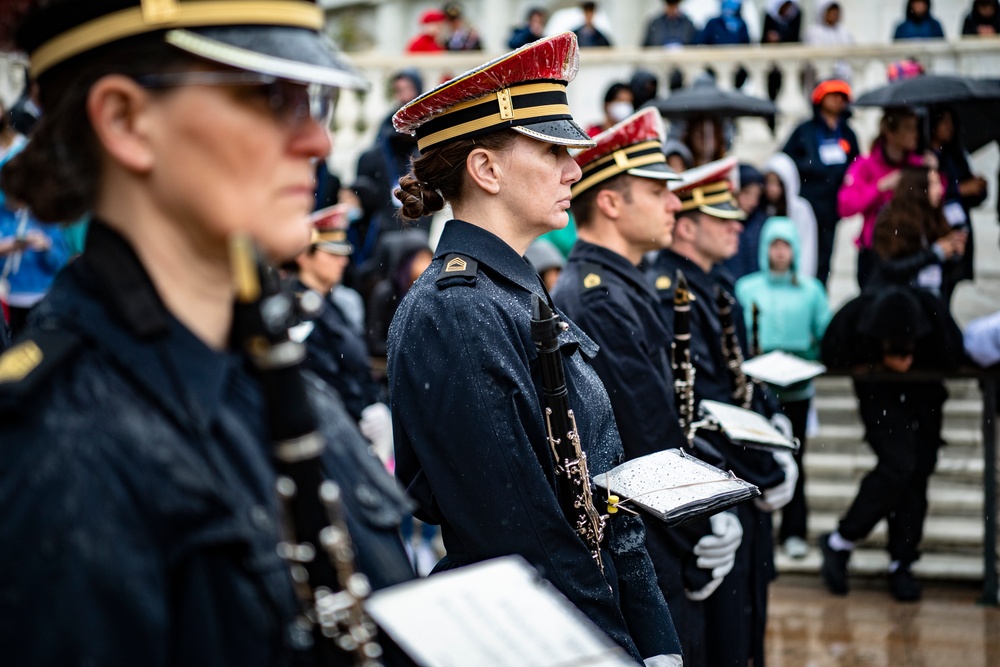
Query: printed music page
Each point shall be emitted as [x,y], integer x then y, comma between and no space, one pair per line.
[675,487]
[746,426]
[782,369]
[498,613]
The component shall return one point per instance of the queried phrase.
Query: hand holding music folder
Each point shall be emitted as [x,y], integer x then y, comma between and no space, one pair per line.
[744,427]
[674,487]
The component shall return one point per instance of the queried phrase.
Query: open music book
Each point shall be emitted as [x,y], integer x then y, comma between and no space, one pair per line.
[744,427]
[498,613]
[782,369]
[675,487]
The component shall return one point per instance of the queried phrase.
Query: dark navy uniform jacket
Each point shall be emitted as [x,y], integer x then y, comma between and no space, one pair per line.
[140,521]
[613,302]
[471,444]
[339,356]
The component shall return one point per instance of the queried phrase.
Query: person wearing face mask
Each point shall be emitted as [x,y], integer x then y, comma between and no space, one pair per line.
[182,127]
[618,101]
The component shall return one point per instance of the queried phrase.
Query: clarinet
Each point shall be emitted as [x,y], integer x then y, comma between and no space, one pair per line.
[572,479]
[680,357]
[315,540]
[754,329]
[742,387]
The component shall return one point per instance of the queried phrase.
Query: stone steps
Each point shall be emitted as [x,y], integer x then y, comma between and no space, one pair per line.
[837,458]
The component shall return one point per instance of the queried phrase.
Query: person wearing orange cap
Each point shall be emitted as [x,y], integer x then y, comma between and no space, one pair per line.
[428,40]
[822,148]
[706,233]
[623,209]
[464,383]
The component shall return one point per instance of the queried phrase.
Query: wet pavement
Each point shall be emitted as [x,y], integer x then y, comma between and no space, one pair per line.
[808,627]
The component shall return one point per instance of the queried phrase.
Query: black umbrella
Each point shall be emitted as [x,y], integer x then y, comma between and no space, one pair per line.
[704,98]
[921,91]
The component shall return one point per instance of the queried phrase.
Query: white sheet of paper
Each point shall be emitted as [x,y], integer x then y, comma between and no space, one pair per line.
[497,613]
[955,214]
[667,480]
[746,425]
[781,369]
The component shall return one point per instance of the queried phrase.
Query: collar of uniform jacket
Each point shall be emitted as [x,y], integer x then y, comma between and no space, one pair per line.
[137,329]
[490,250]
[609,259]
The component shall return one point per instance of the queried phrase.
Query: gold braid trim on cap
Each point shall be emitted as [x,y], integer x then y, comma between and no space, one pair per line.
[160,15]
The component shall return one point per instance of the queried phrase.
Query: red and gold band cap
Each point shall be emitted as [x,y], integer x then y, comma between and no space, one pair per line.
[707,189]
[282,38]
[633,146]
[524,90]
[329,230]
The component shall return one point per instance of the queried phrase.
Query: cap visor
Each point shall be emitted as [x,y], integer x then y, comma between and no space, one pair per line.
[560,132]
[343,249]
[658,170]
[296,54]
[724,210]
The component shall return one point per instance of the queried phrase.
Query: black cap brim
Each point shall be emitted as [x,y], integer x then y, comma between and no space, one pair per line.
[290,53]
[562,132]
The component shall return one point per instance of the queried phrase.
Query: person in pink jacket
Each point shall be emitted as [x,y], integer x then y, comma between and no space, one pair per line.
[871,180]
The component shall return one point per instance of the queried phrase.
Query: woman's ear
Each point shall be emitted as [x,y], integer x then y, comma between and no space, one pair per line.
[484,169]
[118,108]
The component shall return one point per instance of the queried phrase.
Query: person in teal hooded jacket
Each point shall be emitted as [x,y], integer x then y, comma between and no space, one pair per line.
[793,314]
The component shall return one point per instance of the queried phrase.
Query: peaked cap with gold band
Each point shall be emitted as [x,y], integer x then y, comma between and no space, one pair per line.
[524,90]
[633,146]
[281,38]
[707,189]
[329,230]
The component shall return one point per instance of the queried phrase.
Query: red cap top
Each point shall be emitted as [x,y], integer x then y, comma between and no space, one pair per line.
[432,16]
[524,90]
[634,145]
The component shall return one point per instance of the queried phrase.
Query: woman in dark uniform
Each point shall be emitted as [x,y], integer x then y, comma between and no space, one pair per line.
[141,523]
[469,431]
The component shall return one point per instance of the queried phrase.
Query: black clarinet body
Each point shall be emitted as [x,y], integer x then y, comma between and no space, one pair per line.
[680,357]
[754,329]
[573,485]
[315,540]
[731,351]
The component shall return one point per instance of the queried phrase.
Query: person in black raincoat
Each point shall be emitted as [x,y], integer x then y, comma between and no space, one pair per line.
[464,382]
[141,522]
[706,233]
[623,208]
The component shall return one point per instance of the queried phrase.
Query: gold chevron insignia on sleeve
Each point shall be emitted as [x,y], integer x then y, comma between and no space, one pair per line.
[664,282]
[591,280]
[455,265]
[18,361]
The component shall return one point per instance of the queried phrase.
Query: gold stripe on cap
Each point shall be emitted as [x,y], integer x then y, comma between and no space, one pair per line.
[703,199]
[489,121]
[158,15]
[613,170]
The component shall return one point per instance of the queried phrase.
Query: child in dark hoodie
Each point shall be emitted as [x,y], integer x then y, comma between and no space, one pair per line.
[919,24]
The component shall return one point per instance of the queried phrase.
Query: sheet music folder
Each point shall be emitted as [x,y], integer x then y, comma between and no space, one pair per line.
[782,369]
[745,427]
[497,613]
[675,487]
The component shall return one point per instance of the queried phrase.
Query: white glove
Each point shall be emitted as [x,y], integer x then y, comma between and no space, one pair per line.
[672,660]
[717,552]
[778,496]
[781,422]
[376,425]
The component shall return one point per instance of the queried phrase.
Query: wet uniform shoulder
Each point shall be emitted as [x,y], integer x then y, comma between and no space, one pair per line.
[28,365]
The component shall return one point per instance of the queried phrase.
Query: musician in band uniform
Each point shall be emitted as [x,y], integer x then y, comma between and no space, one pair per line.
[464,377]
[141,522]
[623,209]
[706,233]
